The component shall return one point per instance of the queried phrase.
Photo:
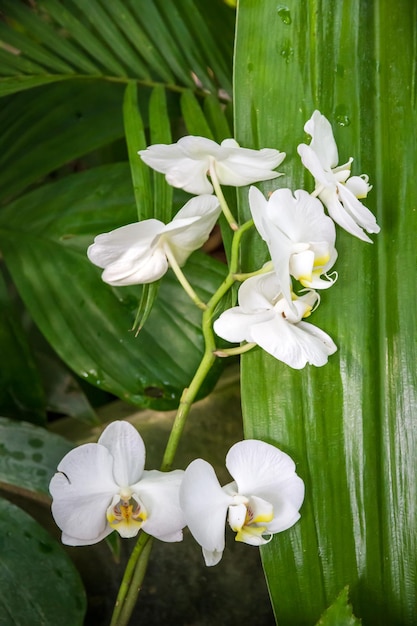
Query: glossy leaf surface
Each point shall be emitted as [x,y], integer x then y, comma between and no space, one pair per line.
[350,425]
[29,456]
[86,321]
[38,582]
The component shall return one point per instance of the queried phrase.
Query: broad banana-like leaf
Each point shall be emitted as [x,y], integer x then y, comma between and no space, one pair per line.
[351,425]
[87,322]
[182,43]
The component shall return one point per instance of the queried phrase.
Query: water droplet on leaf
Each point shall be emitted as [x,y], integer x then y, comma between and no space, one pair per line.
[284,13]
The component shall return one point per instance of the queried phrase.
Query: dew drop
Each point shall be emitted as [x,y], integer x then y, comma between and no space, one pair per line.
[287,51]
[285,15]
[341,116]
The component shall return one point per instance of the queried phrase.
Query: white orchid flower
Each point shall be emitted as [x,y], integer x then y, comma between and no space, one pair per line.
[300,237]
[187,163]
[101,487]
[339,193]
[265,318]
[142,252]
[264,498]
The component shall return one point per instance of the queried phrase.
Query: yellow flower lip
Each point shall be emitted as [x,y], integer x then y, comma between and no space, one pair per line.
[126,516]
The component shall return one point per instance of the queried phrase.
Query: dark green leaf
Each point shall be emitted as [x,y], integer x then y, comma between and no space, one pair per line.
[193,116]
[114,39]
[49,37]
[348,425]
[160,132]
[38,583]
[21,393]
[87,322]
[135,140]
[13,84]
[50,126]
[134,33]
[34,51]
[85,37]
[29,456]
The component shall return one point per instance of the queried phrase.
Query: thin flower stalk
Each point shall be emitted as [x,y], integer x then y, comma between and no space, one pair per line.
[136,568]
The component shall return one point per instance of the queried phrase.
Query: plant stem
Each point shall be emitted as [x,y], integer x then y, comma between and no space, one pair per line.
[131,584]
[189,393]
[181,278]
[222,200]
[136,567]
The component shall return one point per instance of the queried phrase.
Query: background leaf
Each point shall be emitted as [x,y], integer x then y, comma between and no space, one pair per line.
[21,392]
[29,456]
[87,322]
[183,43]
[348,425]
[46,128]
[31,565]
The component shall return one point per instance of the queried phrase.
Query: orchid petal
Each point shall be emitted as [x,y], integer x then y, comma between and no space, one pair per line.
[258,292]
[294,344]
[359,186]
[258,206]
[286,502]
[256,465]
[76,541]
[159,492]
[360,213]
[322,140]
[127,254]
[205,506]
[191,176]
[187,163]
[192,225]
[151,267]
[338,213]
[235,325]
[237,516]
[311,161]
[131,239]
[301,266]
[244,166]
[126,446]
[82,490]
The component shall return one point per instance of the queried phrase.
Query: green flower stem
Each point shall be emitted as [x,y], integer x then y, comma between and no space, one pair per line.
[189,393]
[222,200]
[223,352]
[268,267]
[136,567]
[132,581]
[181,278]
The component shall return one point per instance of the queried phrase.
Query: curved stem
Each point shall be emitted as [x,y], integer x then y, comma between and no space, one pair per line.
[220,196]
[181,278]
[132,580]
[136,567]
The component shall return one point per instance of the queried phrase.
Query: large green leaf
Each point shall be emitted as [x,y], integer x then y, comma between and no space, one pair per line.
[53,125]
[44,236]
[29,456]
[182,43]
[38,583]
[349,425]
[21,392]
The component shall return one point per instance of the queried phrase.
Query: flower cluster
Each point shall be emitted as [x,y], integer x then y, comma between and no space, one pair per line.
[299,235]
[102,487]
